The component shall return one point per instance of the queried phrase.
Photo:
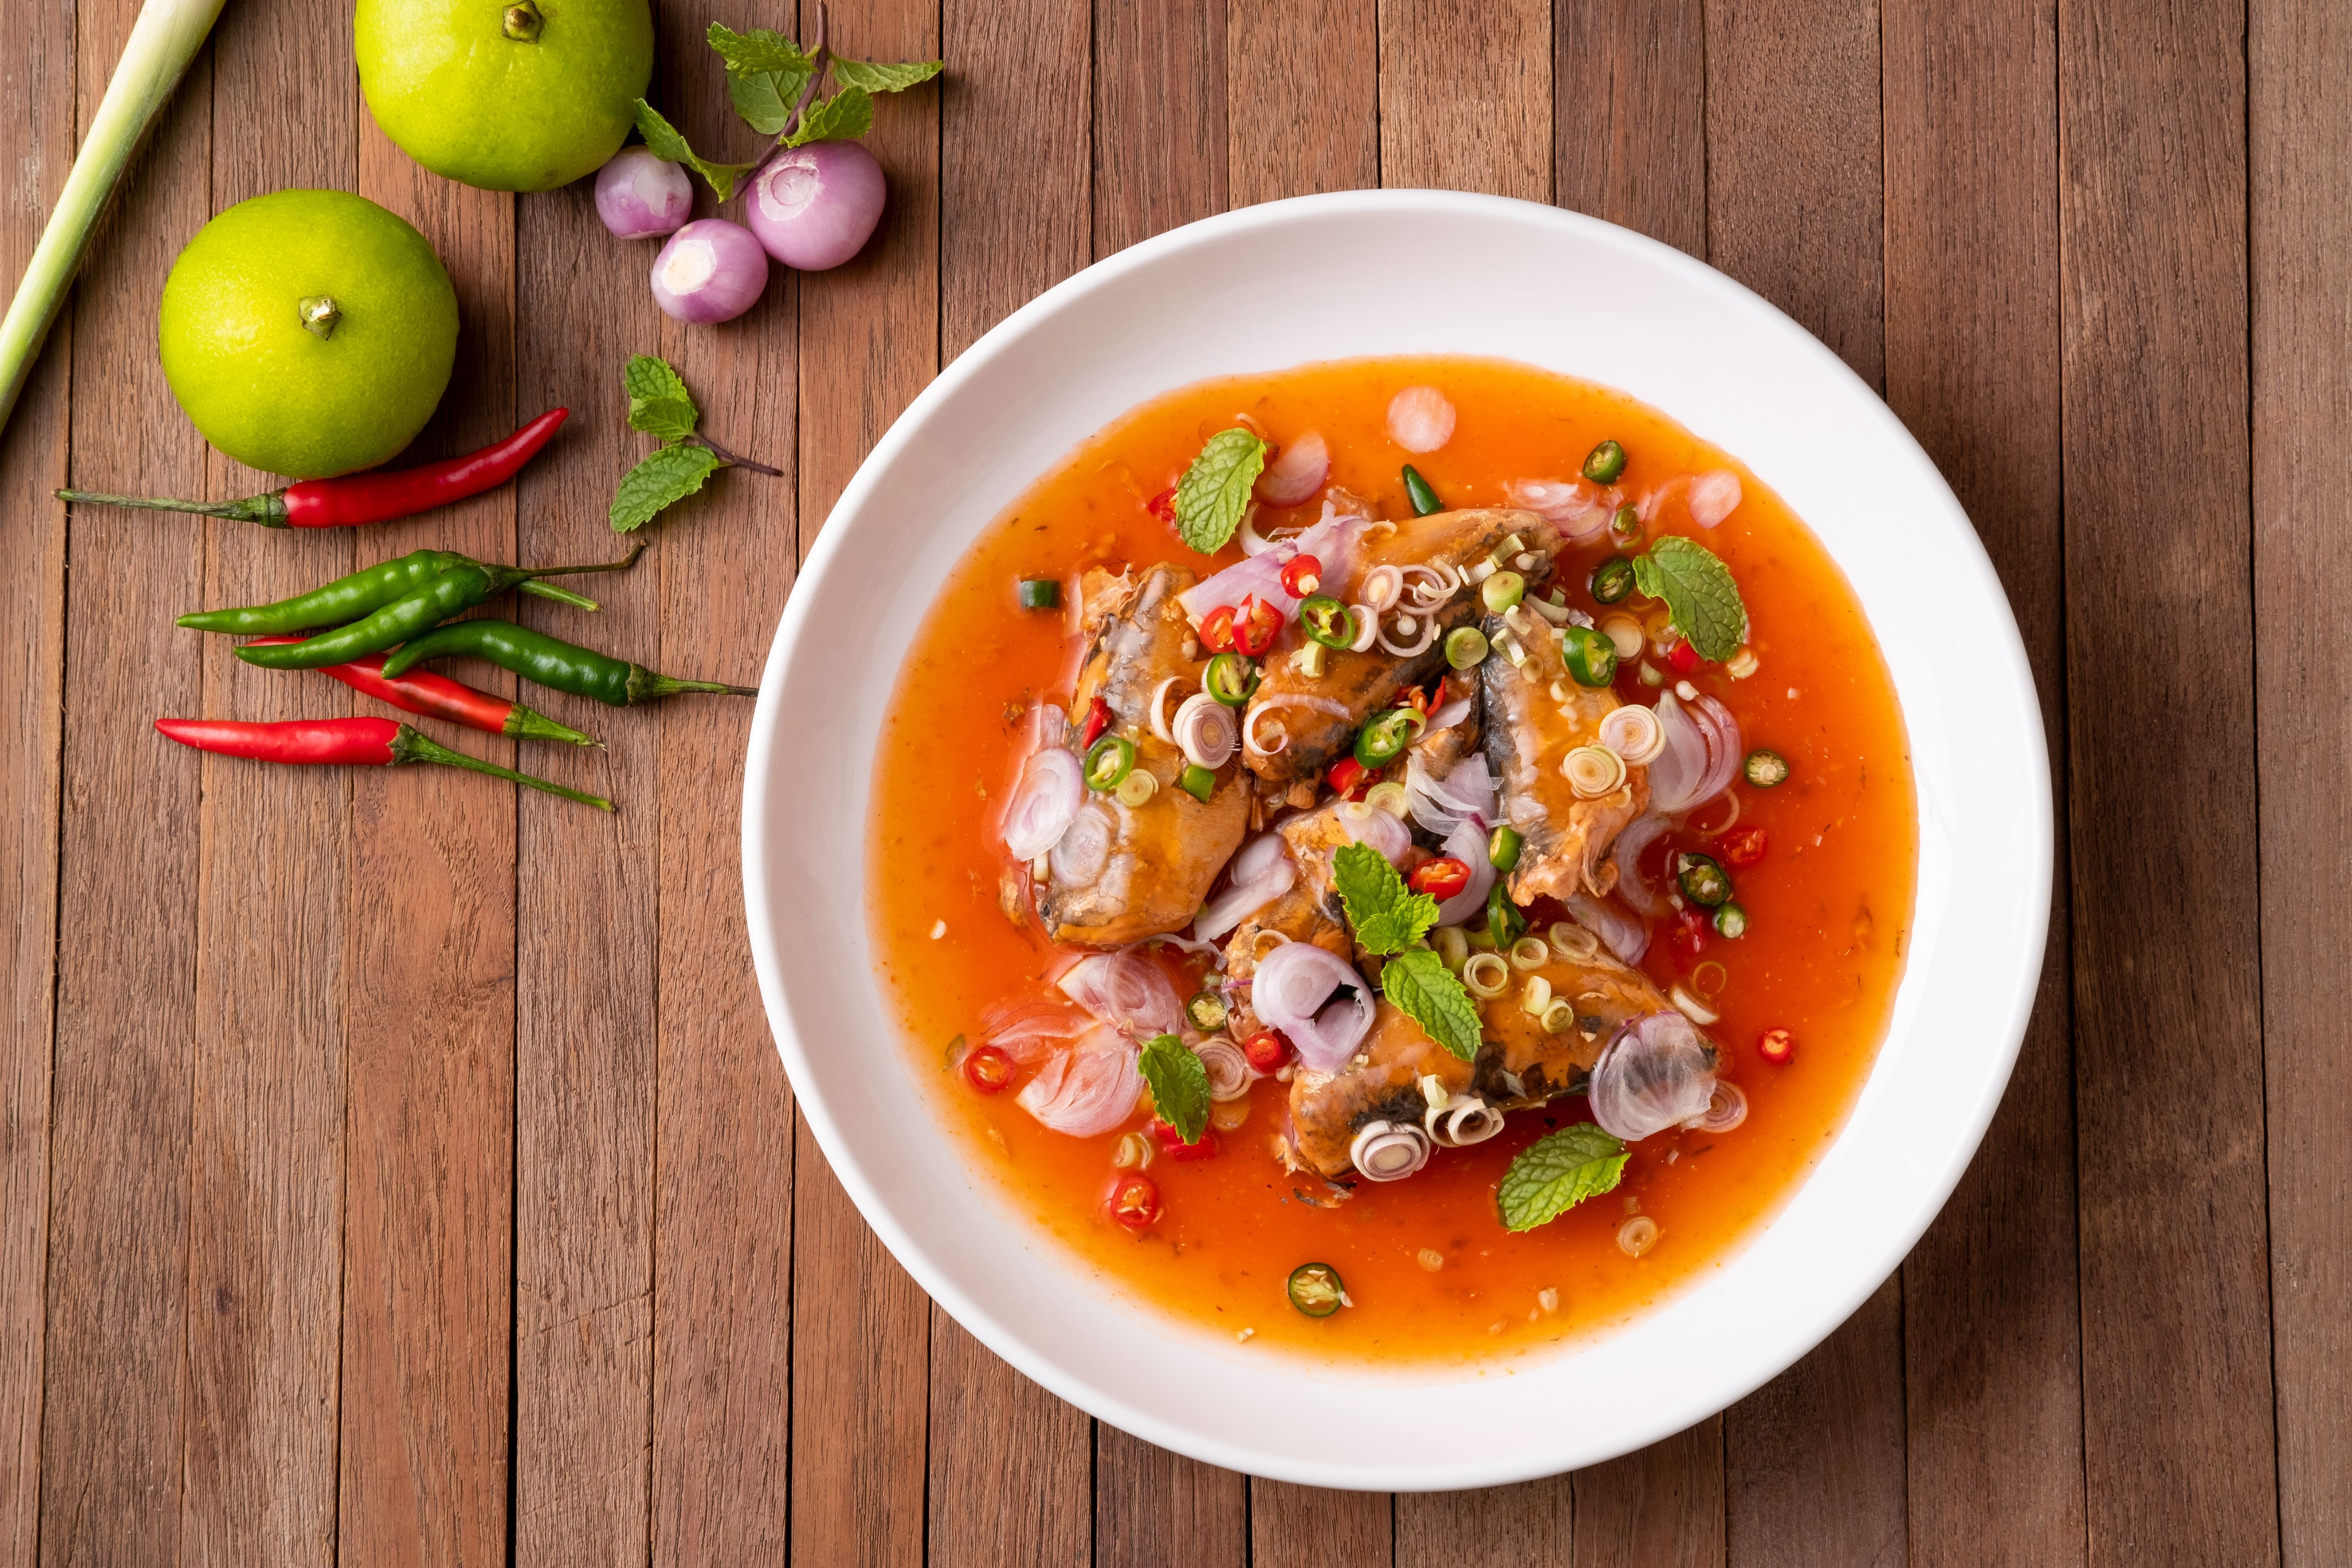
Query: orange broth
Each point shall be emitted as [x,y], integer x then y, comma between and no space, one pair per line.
[1829,904]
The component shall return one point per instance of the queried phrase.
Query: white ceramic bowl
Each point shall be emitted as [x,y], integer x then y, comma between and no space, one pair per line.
[1386,272]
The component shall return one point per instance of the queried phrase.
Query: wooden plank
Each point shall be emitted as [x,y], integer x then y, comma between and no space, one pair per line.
[861,1329]
[722,1236]
[1160,147]
[1158,1509]
[1629,106]
[1661,1507]
[1526,1526]
[1814,1463]
[1016,217]
[36,82]
[1466,96]
[2177,1401]
[587,953]
[117,1293]
[428,1282]
[1992,1350]
[1308,73]
[1309,1527]
[266,1132]
[2301,123]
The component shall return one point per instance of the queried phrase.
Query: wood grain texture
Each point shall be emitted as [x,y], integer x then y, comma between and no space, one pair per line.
[36,83]
[115,1341]
[2177,1399]
[1158,1509]
[723,1234]
[1011,1466]
[1661,1507]
[1992,1315]
[1305,79]
[587,958]
[2301,234]
[869,334]
[1311,1527]
[1466,96]
[266,1133]
[1629,114]
[428,1233]
[1524,1526]
[1160,143]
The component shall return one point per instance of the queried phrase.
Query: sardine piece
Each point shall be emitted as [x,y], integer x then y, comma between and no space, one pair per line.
[1535,714]
[1123,873]
[1520,1064]
[1362,684]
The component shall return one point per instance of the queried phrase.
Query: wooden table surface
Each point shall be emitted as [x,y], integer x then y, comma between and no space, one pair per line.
[396,1169]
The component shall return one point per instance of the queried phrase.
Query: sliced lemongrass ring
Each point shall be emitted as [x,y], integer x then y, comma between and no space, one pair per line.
[1691,1007]
[1392,797]
[1573,941]
[1530,953]
[1592,771]
[1634,733]
[1486,975]
[1626,633]
[1536,996]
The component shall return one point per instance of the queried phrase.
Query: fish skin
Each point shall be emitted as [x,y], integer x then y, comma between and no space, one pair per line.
[1165,853]
[1328,1109]
[1567,840]
[1365,683]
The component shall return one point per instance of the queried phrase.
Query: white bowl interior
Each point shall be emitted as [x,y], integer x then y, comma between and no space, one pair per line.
[1384,273]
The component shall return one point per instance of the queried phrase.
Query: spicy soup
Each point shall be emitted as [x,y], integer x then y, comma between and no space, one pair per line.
[1797,1003]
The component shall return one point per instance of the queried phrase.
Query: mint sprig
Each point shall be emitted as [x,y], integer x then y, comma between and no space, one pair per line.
[1699,594]
[1213,496]
[661,406]
[1387,916]
[1180,1085]
[1558,1171]
[1420,985]
[778,88]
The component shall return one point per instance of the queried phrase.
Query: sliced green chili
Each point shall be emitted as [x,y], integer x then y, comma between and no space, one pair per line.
[1766,769]
[1041,594]
[1231,678]
[1328,621]
[1732,920]
[1109,763]
[1424,499]
[1465,647]
[1383,740]
[1503,847]
[1626,527]
[1502,590]
[1207,1010]
[551,662]
[1605,462]
[1198,781]
[1504,924]
[1590,656]
[1612,580]
[1704,880]
[1315,1290]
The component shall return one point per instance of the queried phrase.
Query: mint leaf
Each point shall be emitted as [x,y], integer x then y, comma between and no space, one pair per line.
[1180,1085]
[1558,1171]
[844,117]
[1213,496]
[758,50]
[884,79]
[1699,593]
[668,475]
[1419,983]
[660,404]
[765,74]
[662,138]
[1387,918]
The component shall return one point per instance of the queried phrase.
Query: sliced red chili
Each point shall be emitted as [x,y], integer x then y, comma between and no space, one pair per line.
[1266,1050]
[1217,629]
[1350,778]
[1163,505]
[1172,1140]
[1255,626]
[1441,879]
[1135,1202]
[1690,932]
[1742,845]
[1777,1046]
[988,1070]
[1302,576]
[1683,656]
[1097,720]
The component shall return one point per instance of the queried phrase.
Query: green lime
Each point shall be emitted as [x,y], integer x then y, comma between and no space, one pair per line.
[509,95]
[308,332]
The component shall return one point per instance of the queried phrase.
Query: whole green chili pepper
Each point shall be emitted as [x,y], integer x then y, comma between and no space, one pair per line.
[550,661]
[349,598]
[453,592]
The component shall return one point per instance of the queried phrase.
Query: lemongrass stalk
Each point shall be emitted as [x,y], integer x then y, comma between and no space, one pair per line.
[163,41]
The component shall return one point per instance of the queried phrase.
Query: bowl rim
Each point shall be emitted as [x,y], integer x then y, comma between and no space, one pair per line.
[2006,1026]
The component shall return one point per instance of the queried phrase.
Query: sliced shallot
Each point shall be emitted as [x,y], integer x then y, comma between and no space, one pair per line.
[1253,885]
[1420,419]
[1701,755]
[1082,851]
[1713,496]
[1087,1089]
[1230,1074]
[1159,719]
[1656,1072]
[1126,991]
[1317,999]
[1331,541]
[1578,508]
[1296,472]
[1206,728]
[1380,587]
[1428,634]
[1467,844]
[1438,804]
[1625,937]
[1726,1109]
[1331,705]
[1052,788]
[1027,1031]
[1368,824]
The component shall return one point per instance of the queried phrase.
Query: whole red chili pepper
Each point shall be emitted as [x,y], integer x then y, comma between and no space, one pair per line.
[362,743]
[438,696]
[377,496]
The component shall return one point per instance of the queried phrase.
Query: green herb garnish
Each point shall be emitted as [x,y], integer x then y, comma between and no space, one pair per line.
[1213,496]
[777,89]
[1180,1085]
[1699,594]
[1558,1171]
[1388,916]
[1419,983]
[661,406]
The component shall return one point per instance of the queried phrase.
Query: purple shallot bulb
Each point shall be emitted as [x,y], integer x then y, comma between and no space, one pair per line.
[711,270]
[640,196]
[816,207]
